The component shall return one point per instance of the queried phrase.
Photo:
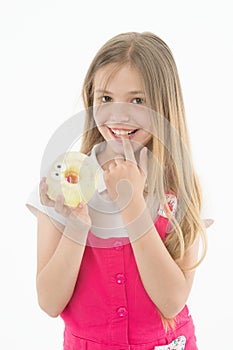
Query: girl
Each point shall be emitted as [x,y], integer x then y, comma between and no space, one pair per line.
[120,269]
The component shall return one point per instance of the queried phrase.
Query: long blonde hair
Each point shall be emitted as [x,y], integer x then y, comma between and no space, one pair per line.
[173,170]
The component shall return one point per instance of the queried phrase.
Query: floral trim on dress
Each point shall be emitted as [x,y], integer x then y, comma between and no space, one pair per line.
[177,344]
[172,203]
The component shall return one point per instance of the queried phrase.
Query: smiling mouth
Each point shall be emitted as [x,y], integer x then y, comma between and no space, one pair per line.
[122,132]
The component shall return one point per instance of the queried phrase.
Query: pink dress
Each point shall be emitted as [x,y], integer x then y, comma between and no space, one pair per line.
[110,309]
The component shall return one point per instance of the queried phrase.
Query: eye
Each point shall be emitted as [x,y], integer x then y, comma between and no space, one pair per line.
[56,175]
[138,100]
[106,99]
[59,167]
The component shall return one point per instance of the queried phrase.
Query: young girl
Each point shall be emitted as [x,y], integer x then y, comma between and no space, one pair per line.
[120,269]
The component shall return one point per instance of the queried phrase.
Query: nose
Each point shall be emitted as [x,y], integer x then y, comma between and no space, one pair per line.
[119,112]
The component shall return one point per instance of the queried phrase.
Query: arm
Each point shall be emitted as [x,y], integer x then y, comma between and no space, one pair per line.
[166,284]
[59,256]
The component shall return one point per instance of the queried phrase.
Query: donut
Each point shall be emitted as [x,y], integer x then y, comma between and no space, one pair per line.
[75,176]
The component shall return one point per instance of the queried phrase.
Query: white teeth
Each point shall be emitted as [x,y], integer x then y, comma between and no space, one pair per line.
[122,132]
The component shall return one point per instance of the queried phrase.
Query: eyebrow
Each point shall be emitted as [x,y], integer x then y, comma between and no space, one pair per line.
[134,92]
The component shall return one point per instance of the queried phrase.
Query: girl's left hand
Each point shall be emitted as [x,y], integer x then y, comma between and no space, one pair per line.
[125,179]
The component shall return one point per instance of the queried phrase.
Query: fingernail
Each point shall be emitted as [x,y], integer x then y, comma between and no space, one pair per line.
[80,205]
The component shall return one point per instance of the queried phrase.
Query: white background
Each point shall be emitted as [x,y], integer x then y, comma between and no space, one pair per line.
[46,48]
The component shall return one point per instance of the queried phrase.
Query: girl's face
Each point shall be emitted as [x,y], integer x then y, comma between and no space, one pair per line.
[120,107]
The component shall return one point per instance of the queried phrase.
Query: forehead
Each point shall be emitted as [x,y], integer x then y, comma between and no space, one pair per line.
[113,75]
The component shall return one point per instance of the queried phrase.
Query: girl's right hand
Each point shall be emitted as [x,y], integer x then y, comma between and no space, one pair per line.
[78,219]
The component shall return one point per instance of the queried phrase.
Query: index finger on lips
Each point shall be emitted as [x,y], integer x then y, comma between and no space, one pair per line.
[143,160]
[128,149]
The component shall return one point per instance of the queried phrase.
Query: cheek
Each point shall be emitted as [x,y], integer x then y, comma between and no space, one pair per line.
[100,115]
[146,137]
[103,130]
[145,122]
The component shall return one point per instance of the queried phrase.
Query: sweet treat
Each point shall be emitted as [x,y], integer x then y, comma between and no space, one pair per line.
[75,176]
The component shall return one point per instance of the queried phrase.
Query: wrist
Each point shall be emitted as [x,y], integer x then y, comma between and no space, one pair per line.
[77,231]
[133,201]
[134,204]
[137,218]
